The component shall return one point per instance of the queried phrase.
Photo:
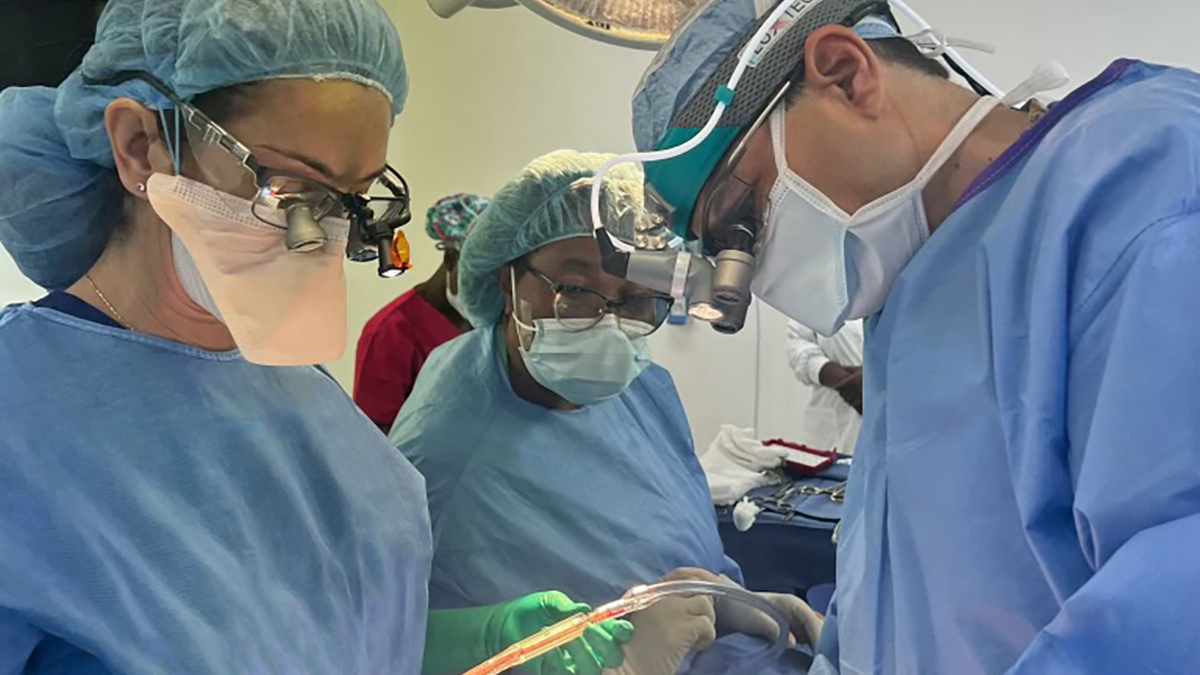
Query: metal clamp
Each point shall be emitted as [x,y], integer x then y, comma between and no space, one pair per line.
[836,493]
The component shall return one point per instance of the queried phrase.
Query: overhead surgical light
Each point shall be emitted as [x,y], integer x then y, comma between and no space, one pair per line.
[640,24]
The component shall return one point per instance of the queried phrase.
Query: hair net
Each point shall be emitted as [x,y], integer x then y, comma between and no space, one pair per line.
[549,202]
[686,62]
[695,51]
[61,197]
[679,91]
[449,220]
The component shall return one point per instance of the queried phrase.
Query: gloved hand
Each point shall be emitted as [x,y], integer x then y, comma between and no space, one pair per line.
[738,617]
[665,632]
[458,639]
[741,446]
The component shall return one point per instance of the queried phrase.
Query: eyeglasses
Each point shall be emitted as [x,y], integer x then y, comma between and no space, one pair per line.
[578,308]
[376,215]
[730,218]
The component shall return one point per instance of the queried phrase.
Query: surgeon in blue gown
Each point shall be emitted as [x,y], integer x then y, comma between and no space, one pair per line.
[569,462]
[182,490]
[1025,497]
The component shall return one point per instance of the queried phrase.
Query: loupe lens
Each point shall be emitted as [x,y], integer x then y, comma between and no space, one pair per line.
[304,234]
[734,318]
[732,277]
[358,250]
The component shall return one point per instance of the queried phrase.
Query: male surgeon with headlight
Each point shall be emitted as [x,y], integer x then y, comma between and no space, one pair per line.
[182,490]
[1025,497]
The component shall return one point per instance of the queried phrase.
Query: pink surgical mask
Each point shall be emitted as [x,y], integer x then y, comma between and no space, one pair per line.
[282,308]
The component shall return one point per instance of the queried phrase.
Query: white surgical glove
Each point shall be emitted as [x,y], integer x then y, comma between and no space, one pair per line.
[665,632]
[738,617]
[741,446]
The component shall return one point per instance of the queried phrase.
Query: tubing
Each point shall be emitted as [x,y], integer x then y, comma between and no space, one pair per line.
[637,599]
[694,141]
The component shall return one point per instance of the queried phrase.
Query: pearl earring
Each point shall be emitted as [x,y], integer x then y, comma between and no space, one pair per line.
[141,187]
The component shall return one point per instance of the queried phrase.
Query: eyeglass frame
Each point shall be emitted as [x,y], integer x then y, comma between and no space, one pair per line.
[366,230]
[730,163]
[610,304]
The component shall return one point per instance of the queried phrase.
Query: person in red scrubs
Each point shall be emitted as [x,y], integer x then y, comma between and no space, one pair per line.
[398,339]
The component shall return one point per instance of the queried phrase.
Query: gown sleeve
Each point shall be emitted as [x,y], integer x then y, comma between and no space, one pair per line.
[17,642]
[1133,424]
[805,355]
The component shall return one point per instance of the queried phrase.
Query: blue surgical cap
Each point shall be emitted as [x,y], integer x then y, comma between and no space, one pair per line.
[61,196]
[678,92]
[550,201]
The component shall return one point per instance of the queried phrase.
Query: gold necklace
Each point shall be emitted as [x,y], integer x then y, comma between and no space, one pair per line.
[120,319]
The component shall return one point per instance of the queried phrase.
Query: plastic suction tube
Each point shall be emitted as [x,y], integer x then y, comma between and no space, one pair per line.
[637,599]
[670,153]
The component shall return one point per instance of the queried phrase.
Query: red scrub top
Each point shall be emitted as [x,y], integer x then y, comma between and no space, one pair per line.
[391,351]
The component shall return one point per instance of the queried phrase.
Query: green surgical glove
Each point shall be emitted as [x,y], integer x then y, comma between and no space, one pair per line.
[457,640]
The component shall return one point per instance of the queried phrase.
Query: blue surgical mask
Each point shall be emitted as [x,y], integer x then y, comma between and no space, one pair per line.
[583,365]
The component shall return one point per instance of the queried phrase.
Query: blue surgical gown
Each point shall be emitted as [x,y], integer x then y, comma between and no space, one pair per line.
[1025,497]
[522,499]
[172,511]
[590,502]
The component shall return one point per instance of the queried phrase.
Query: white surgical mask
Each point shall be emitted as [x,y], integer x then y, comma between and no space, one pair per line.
[189,277]
[282,308]
[585,365]
[821,266]
[453,298]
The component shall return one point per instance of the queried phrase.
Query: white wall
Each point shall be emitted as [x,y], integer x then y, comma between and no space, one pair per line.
[490,91]
[493,89]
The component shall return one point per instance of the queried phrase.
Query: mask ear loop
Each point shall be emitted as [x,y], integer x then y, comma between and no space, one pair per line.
[517,307]
[933,43]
